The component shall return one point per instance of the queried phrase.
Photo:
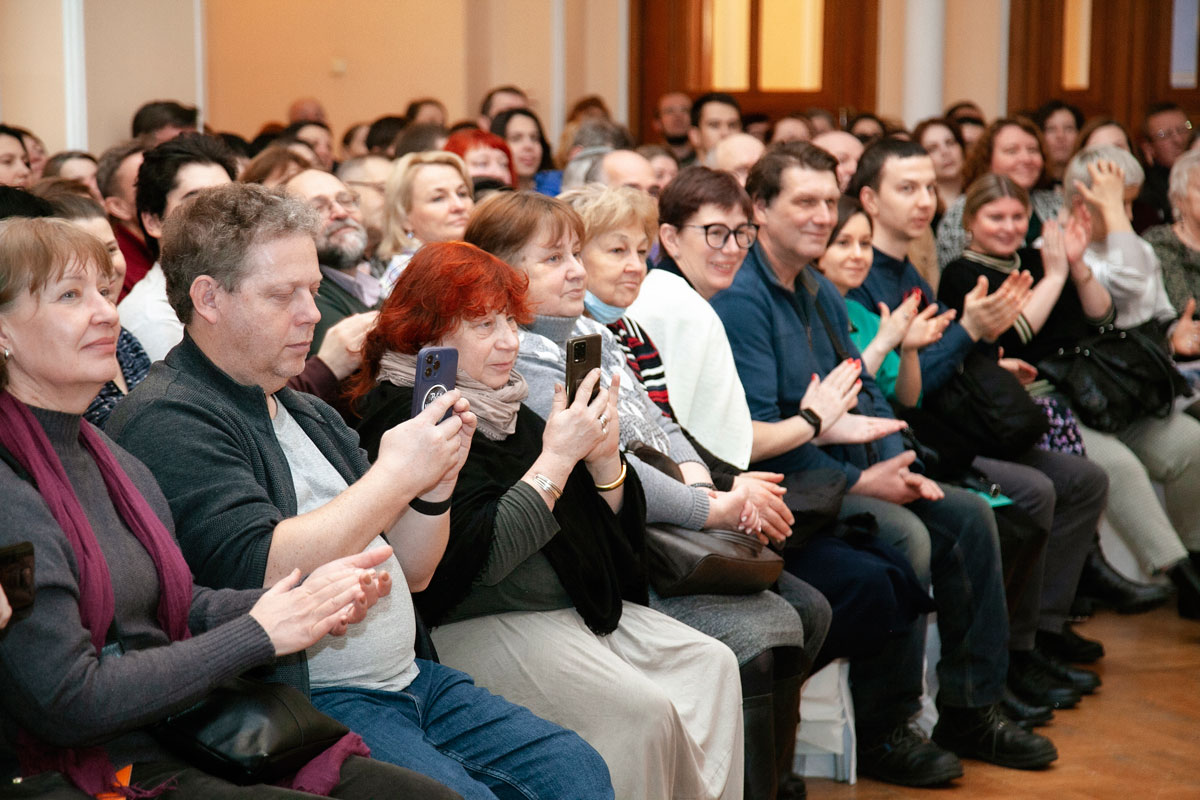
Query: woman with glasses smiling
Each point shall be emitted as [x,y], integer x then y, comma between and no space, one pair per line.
[705,232]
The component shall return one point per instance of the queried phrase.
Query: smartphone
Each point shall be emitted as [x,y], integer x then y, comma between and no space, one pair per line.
[583,356]
[16,578]
[436,369]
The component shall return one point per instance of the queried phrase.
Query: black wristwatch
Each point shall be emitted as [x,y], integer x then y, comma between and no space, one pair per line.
[811,418]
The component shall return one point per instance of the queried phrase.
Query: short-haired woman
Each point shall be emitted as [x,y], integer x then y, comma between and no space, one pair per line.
[542,591]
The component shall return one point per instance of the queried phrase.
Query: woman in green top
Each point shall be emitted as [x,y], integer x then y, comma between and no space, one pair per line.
[846,262]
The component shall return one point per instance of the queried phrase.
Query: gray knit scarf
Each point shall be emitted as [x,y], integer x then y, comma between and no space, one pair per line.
[495,408]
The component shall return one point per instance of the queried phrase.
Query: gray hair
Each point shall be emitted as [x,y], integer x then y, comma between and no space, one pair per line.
[1077,169]
[1181,176]
[586,166]
[212,235]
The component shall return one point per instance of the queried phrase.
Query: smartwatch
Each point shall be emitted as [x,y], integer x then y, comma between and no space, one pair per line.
[811,418]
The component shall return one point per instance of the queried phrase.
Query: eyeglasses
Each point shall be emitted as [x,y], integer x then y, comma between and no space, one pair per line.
[717,234]
[324,205]
[1183,130]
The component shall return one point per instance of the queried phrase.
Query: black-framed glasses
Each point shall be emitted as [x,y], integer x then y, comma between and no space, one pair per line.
[716,234]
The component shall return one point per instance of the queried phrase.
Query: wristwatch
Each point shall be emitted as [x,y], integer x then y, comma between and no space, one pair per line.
[811,418]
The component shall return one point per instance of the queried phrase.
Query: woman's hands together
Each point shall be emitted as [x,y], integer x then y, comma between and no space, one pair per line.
[296,615]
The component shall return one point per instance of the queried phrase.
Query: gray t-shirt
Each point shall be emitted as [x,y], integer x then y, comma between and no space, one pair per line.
[378,652]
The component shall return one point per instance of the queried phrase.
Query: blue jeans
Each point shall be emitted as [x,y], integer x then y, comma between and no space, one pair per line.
[952,544]
[482,746]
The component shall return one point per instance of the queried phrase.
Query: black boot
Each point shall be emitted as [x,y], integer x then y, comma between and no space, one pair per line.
[1027,715]
[758,718]
[988,735]
[1109,588]
[903,755]
[1069,646]
[1030,681]
[1186,578]
[786,694]
[1084,680]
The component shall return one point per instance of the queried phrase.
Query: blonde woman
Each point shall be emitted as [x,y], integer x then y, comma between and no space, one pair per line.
[427,198]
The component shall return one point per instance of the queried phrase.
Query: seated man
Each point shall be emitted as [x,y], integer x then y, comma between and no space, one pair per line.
[1062,493]
[263,480]
[775,314]
[341,243]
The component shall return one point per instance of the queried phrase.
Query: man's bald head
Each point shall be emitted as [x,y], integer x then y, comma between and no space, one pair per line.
[627,168]
[737,154]
[846,148]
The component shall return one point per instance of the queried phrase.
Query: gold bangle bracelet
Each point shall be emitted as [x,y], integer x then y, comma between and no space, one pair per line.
[608,487]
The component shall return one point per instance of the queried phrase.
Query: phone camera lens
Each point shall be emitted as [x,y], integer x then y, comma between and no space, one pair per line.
[428,359]
[437,365]
[428,372]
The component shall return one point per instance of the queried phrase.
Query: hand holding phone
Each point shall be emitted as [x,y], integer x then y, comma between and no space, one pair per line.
[583,356]
[435,376]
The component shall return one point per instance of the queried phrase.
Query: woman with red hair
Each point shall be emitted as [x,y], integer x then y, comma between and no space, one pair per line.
[545,570]
[486,155]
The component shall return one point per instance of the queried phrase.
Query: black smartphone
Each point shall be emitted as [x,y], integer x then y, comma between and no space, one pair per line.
[16,578]
[583,356]
[436,370]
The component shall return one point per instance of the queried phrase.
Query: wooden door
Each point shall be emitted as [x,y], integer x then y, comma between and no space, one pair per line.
[672,50]
[1129,66]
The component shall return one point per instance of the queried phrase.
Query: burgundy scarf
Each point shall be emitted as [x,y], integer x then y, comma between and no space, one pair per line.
[89,768]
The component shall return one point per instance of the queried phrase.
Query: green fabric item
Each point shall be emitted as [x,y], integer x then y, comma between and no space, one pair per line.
[864,324]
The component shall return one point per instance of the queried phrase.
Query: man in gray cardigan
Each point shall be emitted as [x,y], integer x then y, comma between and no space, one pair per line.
[263,480]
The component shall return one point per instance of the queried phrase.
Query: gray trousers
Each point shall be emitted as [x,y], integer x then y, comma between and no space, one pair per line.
[1064,494]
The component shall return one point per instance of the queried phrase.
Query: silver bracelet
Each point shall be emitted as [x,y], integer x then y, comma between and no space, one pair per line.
[546,485]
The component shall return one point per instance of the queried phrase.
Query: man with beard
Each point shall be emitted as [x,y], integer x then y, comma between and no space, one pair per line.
[345,289]
[673,119]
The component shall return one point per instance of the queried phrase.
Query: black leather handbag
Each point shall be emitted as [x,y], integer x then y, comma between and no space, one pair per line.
[249,732]
[989,408]
[1117,377]
[684,561]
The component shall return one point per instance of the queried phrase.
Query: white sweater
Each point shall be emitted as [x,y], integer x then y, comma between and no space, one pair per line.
[702,379]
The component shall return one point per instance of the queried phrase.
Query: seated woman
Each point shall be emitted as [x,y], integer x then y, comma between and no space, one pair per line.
[1010,146]
[106,556]
[1177,246]
[541,594]
[942,139]
[867,590]
[540,236]
[878,333]
[522,131]
[132,362]
[485,154]
[1067,304]
[427,198]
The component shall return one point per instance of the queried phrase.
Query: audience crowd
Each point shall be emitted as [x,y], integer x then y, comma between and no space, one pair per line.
[311,410]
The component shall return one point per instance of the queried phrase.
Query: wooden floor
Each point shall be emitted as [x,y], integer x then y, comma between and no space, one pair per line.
[1137,738]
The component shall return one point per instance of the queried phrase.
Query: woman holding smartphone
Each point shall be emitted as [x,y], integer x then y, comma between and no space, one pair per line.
[542,590]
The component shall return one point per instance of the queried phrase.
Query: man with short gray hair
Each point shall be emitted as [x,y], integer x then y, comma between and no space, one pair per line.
[264,481]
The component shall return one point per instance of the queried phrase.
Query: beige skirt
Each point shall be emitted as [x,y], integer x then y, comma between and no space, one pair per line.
[660,701]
